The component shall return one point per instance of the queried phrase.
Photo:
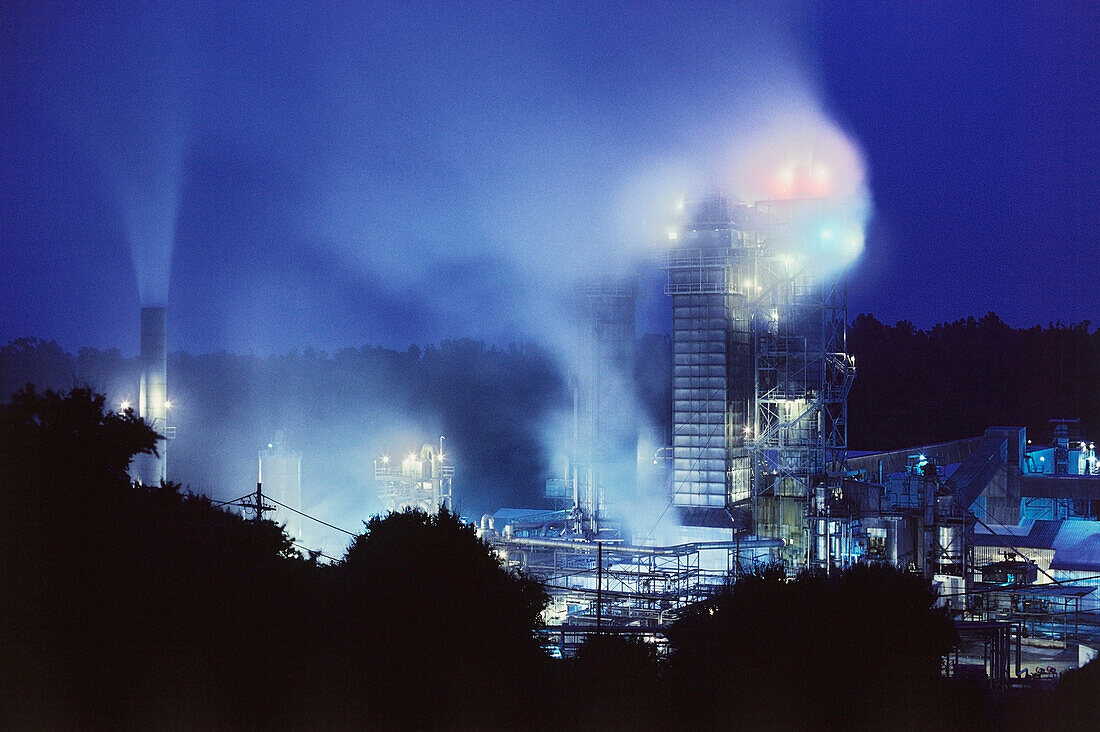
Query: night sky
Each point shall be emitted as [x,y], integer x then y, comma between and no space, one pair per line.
[326,175]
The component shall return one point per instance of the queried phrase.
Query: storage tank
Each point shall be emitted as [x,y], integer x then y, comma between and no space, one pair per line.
[281,478]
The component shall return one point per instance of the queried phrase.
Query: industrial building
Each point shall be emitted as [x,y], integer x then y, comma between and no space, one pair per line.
[422,481]
[759,469]
[760,372]
[604,440]
[760,386]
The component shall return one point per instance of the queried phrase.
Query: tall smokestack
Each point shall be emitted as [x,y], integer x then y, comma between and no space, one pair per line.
[153,400]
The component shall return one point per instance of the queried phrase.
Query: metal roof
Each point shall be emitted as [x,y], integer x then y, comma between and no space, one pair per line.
[979,468]
[1029,535]
[1084,556]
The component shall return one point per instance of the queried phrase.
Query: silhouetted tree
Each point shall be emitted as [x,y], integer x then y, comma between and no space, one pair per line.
[614,683]
[856,650]
[442,633]
[128,606]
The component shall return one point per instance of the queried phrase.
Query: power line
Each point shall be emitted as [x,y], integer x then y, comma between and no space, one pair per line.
[235,500]
[311,518]
[318,552]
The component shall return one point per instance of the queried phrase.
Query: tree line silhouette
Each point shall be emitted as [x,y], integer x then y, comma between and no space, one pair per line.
[915,387]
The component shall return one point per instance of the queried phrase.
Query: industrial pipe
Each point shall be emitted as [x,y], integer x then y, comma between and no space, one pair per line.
[674,550]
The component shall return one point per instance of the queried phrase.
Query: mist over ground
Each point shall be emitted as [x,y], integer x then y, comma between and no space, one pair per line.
[343,410]
[501,408]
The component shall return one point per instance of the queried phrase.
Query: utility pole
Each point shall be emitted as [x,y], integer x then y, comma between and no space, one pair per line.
[257,502]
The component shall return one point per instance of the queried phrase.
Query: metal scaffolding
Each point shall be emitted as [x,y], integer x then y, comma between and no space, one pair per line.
[802,370]
[618,584]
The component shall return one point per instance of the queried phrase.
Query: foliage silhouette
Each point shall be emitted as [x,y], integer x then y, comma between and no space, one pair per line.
[614,683]
[443,629]
[133,606]
[914,387]
[858,649]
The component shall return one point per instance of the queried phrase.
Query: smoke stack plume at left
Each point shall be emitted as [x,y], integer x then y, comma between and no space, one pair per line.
[153,392]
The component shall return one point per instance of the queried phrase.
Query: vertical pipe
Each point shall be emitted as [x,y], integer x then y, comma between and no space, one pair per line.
[576,420]
[599,585]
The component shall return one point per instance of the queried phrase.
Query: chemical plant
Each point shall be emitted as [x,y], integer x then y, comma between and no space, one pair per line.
[757,470]
[420,481]
[760,385]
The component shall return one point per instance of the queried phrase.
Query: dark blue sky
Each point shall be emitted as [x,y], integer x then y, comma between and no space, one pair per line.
[298,175]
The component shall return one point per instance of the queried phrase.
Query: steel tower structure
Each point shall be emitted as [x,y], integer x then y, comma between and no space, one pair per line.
[761,374]
[802,371]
